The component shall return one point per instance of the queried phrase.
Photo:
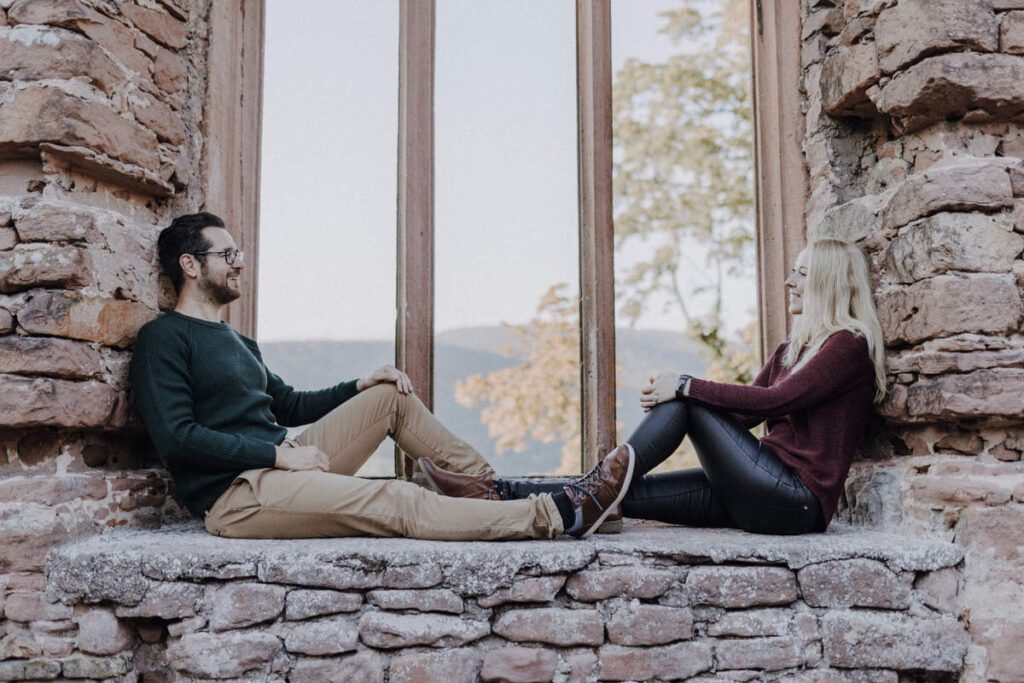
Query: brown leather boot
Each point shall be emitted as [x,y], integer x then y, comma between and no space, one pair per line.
[455,485]
[596,494]
[612,524]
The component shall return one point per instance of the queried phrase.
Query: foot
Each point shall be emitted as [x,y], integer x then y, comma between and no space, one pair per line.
[596,494]
[612,524]
[455,485]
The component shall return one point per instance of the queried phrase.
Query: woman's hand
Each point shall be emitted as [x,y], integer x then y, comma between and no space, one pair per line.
[659,389]
[386,373]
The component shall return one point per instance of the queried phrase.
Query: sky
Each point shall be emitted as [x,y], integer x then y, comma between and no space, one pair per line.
[505,162]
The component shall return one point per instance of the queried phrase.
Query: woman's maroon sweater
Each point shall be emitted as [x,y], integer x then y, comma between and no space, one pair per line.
[816,416]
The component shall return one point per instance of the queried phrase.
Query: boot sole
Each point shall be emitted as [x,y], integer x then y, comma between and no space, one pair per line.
[622,494]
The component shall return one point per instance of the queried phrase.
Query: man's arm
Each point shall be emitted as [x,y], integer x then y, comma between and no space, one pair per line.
[296,408]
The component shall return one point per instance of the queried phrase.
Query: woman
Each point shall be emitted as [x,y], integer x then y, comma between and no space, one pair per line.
[816,393]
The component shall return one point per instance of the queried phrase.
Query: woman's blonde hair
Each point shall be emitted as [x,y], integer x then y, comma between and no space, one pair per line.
[837,296]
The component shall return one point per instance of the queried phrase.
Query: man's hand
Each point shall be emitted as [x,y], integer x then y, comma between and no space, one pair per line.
[301,458]
[659,389]
[386,373]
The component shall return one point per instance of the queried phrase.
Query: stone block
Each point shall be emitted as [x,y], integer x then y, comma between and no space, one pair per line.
[169,72]
[6,321]
[316,574]
[29,670]
[734,587]
[35,53]
[46,114]
[36,265]
[619,582]
[365,667]
[857,582]
[769,654]
[929,362]
[451,666]
[25,606]
[638,625]
[1011,33]
[846,75]
[159,118]
[52,489]
[158,25]
[965,186]
[948,304]
[422,575]
[913,29]
[533,589]
[752,623]
[34,402]
[972,242]
[671,662]
[865,639]
[982,393]
[322,637]
[519,665]
[555,626]
[435,600]
[82,666]
[111,322]
[19,645]
[235,605]
[55,221]
[303,603]
[222,655]
[954,84]
[391,631]
[102,633]
[940,492]
[166,601]
[8,238]
[50,356]
[939,589]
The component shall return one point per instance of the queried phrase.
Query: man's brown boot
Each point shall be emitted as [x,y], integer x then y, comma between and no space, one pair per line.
[455,485]
[596,494]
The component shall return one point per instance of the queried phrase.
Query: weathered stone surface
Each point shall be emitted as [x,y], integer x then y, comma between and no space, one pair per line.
[958,492]
[519,665]
[1011,33]
[734,587]
[852,221]
[451,666]
[994,392]
[29,670]
[235,605]
[159,118]
[770,654]
[637,624]
[80,666]
[322,637]
[948,304]
[303,604]
[963,186]
[33,53]
[389,631]
[928,362]
[6,321]
[752,623]
[672,662]
[169,72]
[52,489]
[627,582]
[551,625]
[165,600]
[101,633]
[55,221]
[37,265]
[222,655]
[939,589]
[846,75]
[952,85]
[45,114]
[33,402]
[861,639]
[29,606]
[953,241]
[309,572]
[436,600]
[159,26]
[8,238]
[913,29]
[533,589]
[365,667]
[49,356]
[99,166]
[1002,5]
[853,583]
[19,646]
[111,322]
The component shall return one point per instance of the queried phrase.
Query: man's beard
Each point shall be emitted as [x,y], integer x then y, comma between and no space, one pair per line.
[218,292]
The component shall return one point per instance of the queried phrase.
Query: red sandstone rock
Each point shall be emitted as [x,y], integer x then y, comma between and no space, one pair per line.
[8,238]
[54,221]
[389,631]
[734,587]
[437,600]
[43,265]
[302,604]
[365,667]
[854,583]
[49,356]
[222,655]
[30,606]
[626,582]
[33,402]
[939,589]
[753,623]
[159,118]
[519,665]
[866,639]
[6,321]
[111,322]
[167,601]
[964,186]
[637,624]
[101,633]
[450,666]
[1011,33]
[52,489]
[940,362]
[533,589]
[322,637]
[235,605]
[96,668]
[846,75]
[769,654]
[672,662]
[160,26]
[169,72]
[956,492]
[33,53]
[551,625]
[915,28]
[981,393]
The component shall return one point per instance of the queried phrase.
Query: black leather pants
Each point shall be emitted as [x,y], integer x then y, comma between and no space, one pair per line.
[740,484]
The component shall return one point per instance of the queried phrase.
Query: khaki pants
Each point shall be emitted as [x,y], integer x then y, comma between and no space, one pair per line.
[273,503]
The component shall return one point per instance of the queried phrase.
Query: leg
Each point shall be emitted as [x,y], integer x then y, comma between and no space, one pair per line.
[681,497]
[350,433]
[270,503]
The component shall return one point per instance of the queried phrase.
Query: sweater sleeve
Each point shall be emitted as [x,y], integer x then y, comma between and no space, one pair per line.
[296,408]
[751,421]
[162,394]
[834,368]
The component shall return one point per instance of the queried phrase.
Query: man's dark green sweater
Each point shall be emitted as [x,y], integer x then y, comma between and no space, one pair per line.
[211,406]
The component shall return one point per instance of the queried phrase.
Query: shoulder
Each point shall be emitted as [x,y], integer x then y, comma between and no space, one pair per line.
[847,339]
[161,333]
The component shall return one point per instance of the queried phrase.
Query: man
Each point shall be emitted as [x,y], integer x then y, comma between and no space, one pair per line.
[217,415]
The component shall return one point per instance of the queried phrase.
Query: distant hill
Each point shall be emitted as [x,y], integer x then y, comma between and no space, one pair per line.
[464,352]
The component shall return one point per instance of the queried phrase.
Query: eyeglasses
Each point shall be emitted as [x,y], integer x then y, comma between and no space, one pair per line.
[233,257]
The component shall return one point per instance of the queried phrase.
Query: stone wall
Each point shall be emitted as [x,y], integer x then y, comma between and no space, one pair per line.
[101,105]
[914,143]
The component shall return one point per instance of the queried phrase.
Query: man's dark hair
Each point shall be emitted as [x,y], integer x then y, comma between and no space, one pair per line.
[184,236]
